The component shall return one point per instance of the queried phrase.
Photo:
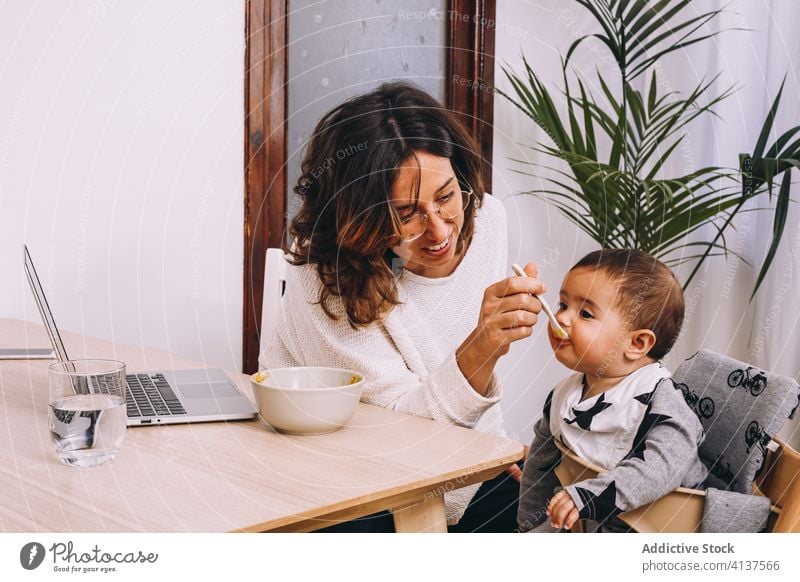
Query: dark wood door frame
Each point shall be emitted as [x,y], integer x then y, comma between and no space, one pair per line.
[470,71]
[264,156]
[468,90]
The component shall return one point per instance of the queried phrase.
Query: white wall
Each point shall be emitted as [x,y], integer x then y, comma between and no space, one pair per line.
[718,313]
[121,140]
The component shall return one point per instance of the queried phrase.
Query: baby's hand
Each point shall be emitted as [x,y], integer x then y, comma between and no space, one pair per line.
[562,510]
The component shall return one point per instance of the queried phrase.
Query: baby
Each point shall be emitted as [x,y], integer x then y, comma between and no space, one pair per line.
[623,311]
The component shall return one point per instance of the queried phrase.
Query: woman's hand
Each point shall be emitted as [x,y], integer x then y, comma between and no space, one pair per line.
[508,313]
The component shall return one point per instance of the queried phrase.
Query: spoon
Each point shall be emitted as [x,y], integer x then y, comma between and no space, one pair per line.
[558,331]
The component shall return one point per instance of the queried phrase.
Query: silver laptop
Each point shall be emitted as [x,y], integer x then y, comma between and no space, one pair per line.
[161,397]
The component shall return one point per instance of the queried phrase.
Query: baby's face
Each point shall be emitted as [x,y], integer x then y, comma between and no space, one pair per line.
[598,333]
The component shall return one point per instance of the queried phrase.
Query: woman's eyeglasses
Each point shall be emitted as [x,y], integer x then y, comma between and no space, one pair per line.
[448,207]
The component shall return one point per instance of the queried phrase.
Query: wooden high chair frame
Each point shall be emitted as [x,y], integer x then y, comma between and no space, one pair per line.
[681,511]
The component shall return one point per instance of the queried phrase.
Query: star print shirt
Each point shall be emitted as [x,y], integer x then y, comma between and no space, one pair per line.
[641,430]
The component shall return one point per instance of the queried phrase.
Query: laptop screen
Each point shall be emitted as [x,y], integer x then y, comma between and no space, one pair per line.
[44,308]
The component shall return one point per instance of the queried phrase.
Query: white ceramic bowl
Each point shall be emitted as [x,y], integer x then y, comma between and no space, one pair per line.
[307,400]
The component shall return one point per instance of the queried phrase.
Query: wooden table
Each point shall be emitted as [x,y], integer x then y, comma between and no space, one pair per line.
[235,476]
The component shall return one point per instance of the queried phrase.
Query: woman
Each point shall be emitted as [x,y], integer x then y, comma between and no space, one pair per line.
[400,263]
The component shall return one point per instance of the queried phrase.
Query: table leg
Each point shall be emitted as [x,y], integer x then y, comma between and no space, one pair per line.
[426,515]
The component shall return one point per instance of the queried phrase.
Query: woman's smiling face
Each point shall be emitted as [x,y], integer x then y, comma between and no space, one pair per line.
[433,254]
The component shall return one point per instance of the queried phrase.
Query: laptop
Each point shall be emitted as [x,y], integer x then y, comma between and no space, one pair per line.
[159,397]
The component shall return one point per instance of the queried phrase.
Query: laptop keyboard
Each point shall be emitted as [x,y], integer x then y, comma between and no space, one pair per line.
[148,395]
[151,396]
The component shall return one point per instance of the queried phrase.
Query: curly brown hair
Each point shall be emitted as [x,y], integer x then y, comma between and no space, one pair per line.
[346,225]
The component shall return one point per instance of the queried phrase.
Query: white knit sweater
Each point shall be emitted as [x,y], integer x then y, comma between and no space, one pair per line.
[408,359]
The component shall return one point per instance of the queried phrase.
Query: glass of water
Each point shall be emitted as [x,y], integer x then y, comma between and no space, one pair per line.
[87,415]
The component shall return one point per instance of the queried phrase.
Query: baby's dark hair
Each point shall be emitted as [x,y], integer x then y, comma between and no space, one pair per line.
[650,296]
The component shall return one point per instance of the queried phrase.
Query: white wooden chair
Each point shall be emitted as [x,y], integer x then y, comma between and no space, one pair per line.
[274,283]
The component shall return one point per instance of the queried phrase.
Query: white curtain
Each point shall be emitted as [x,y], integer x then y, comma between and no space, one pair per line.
[764,331]
[775,334]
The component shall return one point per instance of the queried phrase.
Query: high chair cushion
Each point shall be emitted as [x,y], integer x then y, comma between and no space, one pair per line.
[730,512]
[740,408]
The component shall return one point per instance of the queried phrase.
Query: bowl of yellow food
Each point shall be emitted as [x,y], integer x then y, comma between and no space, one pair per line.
[307,400]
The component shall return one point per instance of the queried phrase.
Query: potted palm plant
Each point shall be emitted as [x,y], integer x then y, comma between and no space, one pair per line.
[617,193]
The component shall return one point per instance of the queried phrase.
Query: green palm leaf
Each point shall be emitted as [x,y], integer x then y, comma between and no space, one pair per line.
[615,193]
